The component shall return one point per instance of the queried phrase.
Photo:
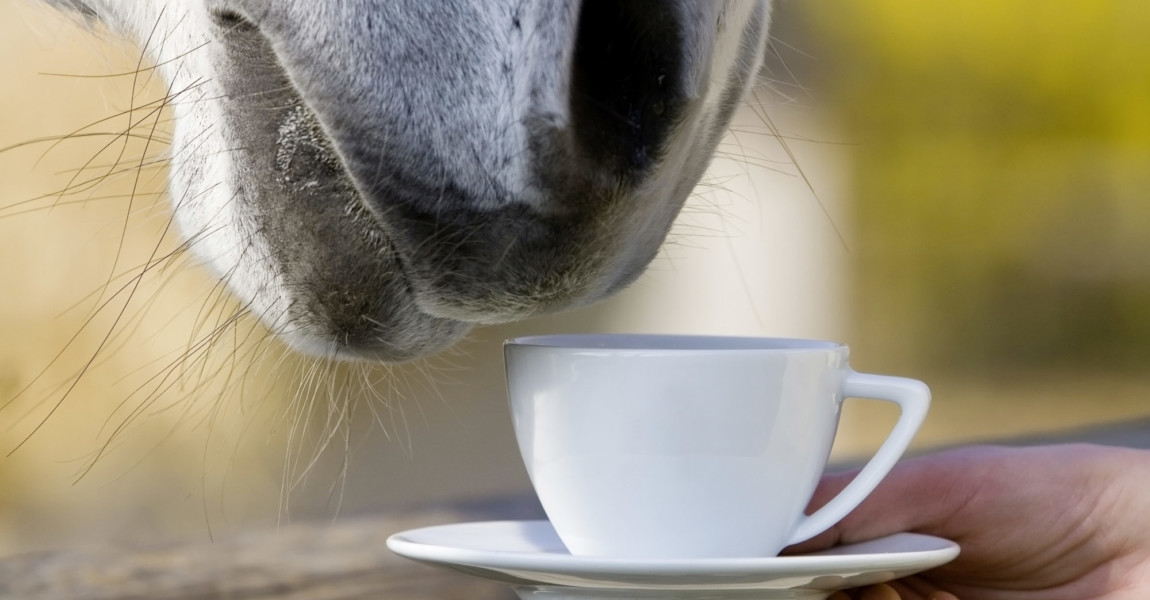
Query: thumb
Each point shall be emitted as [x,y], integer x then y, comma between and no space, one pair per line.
[918,495]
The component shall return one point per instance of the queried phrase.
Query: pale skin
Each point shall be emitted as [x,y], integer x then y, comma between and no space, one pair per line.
[1068,522]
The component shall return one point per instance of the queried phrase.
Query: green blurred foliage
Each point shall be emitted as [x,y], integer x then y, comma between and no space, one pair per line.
[1002,167]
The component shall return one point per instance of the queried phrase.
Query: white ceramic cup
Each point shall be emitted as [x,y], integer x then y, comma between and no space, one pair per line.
[664,447]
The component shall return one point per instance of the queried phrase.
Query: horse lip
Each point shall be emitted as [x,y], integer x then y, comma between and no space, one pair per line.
[353,295]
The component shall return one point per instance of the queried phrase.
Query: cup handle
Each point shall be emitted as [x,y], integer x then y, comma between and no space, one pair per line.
[913,399]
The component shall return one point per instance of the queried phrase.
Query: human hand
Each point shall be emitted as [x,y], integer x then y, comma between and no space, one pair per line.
[1065,522]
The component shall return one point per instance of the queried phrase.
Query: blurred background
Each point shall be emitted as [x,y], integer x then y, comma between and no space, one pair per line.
[956,190]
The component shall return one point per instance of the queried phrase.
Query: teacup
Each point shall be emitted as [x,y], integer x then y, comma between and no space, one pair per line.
[683,447]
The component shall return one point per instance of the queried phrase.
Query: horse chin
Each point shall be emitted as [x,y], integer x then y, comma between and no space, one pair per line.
[315,265]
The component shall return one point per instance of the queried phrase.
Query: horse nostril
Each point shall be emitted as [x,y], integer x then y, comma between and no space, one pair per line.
[627,86]
[232,21]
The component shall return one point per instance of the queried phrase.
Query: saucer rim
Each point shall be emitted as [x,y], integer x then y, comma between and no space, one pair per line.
[567,564]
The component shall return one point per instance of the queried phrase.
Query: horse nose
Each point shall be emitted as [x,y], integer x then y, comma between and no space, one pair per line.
[628,86]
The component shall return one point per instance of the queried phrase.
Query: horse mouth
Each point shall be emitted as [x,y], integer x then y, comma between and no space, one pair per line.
[382,260]
[405,194]
[340,288]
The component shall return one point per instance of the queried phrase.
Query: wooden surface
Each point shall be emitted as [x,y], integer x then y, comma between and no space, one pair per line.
[343,561]
[348,560]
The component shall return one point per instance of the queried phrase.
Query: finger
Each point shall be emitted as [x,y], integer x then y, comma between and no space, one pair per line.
[908,592]
[917,588]
[905,592]
[917,495]
[918,592]
[881,591]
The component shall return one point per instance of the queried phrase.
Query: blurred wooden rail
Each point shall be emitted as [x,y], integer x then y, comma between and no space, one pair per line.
[343,561]
[314,561]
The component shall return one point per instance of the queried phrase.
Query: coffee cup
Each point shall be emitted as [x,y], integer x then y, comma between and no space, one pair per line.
[688,447]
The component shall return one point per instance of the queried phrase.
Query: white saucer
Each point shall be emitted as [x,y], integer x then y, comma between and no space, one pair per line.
[529,556]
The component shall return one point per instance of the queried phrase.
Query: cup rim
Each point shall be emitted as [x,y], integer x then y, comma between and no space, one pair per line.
[659,342]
